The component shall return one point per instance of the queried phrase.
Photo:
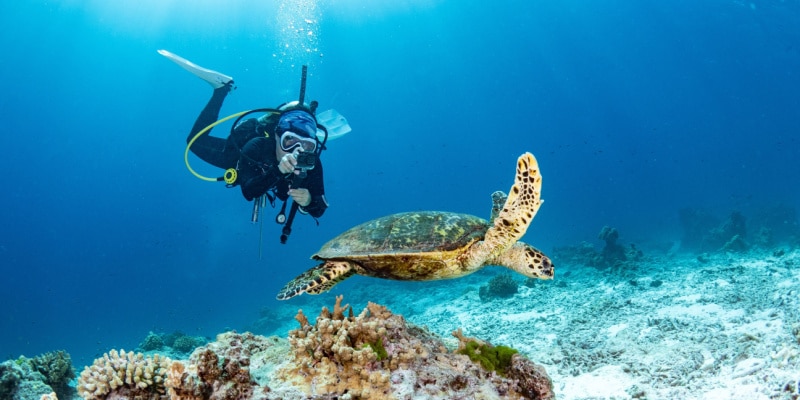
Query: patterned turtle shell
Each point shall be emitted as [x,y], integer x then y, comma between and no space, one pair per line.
[406,233]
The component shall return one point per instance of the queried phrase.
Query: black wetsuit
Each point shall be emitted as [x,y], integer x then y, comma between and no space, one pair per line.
[251,150]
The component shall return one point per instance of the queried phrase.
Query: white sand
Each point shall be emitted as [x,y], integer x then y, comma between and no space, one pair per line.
[724,329]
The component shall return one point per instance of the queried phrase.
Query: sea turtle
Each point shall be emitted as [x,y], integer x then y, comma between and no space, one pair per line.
[432,245]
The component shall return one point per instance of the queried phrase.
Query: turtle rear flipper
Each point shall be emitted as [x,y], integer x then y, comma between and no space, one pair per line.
[319,279]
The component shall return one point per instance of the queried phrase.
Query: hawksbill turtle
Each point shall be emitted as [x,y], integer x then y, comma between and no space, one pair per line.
[432,245]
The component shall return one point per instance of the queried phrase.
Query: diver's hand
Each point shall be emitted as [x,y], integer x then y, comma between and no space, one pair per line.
[287,163]
[300,196]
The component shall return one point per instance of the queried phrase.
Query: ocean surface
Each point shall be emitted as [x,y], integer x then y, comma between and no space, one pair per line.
[635,110]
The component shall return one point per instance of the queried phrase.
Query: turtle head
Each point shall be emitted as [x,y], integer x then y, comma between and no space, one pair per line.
[526,260]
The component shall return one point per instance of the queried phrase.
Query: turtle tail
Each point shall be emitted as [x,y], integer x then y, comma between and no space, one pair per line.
[319,279]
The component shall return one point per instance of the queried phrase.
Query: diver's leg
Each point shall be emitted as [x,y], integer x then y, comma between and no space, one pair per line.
[211,149]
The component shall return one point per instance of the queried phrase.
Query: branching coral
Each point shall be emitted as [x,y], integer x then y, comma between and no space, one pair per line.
[56,367]
[338,352]
[127,375]
[220,370]
[341,356]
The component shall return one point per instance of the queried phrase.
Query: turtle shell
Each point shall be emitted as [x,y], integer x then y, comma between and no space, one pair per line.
[406,233]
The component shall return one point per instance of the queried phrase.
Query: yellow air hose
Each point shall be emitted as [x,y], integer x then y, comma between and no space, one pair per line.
[206,129]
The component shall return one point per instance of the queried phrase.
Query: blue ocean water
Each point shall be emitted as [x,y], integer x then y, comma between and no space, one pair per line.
[634,109]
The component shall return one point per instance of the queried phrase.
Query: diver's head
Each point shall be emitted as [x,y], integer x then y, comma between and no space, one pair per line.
[297,127]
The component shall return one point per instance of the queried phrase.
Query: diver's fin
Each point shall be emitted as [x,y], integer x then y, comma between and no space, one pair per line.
[335,123]
[214,78]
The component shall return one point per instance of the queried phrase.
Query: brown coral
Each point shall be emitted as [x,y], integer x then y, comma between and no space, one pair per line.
[219,370]
[339,355]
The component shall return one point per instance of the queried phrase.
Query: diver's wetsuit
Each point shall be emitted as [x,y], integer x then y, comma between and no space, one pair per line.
[256,165]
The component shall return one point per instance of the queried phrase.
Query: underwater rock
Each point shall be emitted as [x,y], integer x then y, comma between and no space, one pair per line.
[613,252]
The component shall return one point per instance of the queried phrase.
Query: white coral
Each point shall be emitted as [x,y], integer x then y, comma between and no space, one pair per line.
[121,370]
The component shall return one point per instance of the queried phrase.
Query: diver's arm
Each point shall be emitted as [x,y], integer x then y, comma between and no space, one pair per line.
[315,184]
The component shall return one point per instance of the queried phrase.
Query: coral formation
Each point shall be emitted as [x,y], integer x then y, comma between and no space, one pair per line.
[56,368]
[152,342]
[125,375]
[32,378]
[10,375]
[704,233]
[374,355]
[180,342]
[493,358]
[613,252]
[501,286]
[335,357]
[222,370]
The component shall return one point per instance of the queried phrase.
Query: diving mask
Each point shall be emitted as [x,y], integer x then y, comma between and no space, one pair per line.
[290,141]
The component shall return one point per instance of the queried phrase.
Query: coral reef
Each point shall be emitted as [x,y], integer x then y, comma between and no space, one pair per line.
[124,375]
[176,344]
[729,236]
[186,344]
[33,378]
[705,233]
[56,368]
[335,357]
[374,355]
[152,342]
[499,287]
[222,370]
[10,376]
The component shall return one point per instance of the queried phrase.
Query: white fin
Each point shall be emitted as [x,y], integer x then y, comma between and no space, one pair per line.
[214,78]
[335,123]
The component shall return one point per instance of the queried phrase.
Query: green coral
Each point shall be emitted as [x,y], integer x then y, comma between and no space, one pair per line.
[492,358]
[378,349]
[10,376]
[152,342]
[56,367]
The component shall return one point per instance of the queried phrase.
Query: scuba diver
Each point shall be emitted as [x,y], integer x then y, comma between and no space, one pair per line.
[274,156]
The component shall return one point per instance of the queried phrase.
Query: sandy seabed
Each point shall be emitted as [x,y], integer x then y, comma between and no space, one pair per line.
[725,326]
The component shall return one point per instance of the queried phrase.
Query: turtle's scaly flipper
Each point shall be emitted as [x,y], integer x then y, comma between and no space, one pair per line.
[319,279]
[510,224]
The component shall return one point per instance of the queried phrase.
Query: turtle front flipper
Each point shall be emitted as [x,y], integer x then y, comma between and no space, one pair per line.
[510,224]
[319,279]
